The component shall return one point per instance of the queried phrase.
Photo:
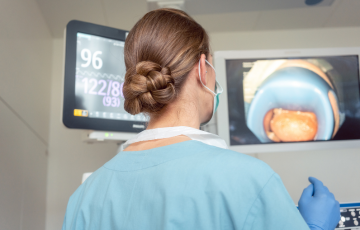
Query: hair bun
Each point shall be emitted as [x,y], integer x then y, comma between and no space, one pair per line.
[149,89]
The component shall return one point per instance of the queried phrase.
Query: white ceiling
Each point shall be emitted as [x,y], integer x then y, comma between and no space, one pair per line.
[196,7]
[214,15]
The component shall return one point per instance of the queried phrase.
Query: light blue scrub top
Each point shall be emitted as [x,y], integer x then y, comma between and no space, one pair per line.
[184,186]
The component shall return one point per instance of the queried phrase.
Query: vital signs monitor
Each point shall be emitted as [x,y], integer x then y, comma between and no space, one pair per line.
[94,78]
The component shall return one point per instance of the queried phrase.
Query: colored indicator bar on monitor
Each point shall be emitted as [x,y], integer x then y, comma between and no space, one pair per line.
[80,113]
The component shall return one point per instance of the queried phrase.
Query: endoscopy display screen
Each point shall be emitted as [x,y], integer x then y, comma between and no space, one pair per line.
[100,71]
[293,100]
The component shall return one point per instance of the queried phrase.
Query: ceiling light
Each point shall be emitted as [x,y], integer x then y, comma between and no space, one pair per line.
[312,2]
[157,4]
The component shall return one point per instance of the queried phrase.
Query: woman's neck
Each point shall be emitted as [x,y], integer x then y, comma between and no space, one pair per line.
[181,113]
[177,114]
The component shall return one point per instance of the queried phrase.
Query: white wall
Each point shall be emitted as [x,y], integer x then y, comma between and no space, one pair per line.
[284,39]
[25,64]
[336,168]
[69,156]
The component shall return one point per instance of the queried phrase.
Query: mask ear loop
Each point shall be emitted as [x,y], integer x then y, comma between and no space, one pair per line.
[200,78]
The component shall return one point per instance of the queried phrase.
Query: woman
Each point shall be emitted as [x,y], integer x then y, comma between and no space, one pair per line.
[172,175]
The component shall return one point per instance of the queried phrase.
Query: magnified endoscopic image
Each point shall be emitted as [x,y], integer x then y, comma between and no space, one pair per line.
[293,100]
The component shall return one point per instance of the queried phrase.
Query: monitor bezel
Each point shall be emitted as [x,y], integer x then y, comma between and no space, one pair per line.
[220,58]
[349,205]
[68,118]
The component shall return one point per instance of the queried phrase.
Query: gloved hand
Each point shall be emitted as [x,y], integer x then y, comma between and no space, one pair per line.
[318,206]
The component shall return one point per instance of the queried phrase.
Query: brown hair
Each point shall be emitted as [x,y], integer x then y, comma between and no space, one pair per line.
[160,51]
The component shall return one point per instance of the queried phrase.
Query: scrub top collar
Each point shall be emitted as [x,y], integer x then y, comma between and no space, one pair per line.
[162,133]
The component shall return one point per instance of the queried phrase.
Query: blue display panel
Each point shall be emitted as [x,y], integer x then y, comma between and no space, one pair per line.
[350,216]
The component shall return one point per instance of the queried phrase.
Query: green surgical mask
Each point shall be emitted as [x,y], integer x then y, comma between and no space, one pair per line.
[218,91]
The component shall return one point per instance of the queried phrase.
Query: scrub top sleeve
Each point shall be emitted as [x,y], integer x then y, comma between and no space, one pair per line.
[274,209]
[64,224]
[72,208]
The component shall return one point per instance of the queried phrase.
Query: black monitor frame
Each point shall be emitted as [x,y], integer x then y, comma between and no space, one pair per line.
[68,118]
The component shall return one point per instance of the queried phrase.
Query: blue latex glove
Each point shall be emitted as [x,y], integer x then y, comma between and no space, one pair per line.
[318,206]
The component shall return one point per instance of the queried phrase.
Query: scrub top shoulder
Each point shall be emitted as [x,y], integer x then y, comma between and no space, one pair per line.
[188,185]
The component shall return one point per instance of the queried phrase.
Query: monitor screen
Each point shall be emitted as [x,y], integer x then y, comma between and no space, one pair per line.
[349,217]
[94,79]
[297,99]
[100,71]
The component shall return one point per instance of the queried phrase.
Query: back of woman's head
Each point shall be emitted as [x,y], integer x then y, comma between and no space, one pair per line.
[160,51]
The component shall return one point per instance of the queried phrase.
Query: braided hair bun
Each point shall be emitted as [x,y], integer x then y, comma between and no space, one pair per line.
[160,51]
[149,89]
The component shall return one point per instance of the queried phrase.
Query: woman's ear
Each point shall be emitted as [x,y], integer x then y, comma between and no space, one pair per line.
[202,71]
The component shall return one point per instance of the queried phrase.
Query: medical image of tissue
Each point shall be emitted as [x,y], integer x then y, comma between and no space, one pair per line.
[290,126]
[287,95]
[293,99]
